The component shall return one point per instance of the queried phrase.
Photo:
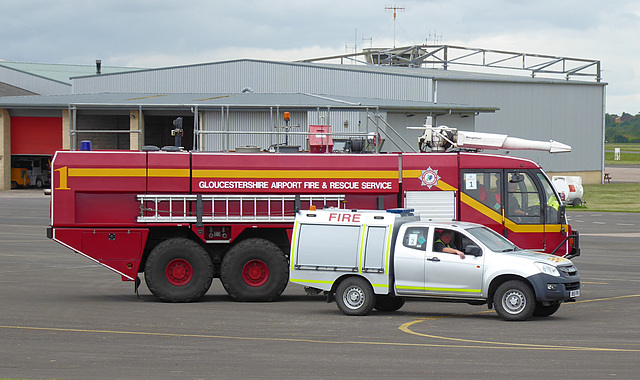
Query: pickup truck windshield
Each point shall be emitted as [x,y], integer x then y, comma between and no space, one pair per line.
[492,240]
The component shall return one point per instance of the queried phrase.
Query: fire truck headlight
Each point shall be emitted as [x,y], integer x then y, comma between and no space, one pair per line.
[548,269]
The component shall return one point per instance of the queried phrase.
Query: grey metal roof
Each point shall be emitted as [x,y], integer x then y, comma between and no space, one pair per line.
[61,72]
[239,100]
[384,69]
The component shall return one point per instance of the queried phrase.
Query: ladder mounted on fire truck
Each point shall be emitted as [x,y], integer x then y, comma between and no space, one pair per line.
[189,208]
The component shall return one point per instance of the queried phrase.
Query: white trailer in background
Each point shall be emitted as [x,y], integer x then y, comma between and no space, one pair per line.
[569,189]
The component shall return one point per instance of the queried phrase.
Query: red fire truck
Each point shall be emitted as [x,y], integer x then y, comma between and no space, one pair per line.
[184,218]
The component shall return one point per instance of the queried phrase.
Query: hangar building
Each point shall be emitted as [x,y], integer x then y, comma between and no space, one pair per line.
[233,104]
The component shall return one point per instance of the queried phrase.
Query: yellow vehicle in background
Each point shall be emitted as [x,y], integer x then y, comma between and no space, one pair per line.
[19,178]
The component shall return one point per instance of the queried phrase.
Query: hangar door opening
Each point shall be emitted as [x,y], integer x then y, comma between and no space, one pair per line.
[157,130]
[34,140]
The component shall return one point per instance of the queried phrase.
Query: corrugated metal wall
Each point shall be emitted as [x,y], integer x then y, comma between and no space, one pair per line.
[33,83]
[266,121]
[564,112]
[251,121]
[262,77]
[342,121]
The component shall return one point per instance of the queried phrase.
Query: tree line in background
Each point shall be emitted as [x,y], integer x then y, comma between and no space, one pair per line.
[622,129]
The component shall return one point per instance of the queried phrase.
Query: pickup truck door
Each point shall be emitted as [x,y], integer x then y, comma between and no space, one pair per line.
[409,260]
[446,274]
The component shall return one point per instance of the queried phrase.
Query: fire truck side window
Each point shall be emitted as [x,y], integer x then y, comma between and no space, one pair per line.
[523,199]
[553,215]
[484,187]
[416,238]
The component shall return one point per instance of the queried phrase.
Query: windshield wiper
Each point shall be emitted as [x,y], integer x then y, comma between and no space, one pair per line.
[509,249]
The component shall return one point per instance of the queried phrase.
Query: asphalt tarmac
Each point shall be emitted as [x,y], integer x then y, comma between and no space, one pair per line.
[64,317]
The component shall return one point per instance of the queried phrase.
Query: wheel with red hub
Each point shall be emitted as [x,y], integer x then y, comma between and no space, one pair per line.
[254,270]
[255,273]
[178,270]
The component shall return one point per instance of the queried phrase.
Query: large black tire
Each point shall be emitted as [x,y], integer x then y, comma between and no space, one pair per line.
[355,296]
[388,303]
[178,270]
[514,301]
[255,270]
[577,202]
[545,311]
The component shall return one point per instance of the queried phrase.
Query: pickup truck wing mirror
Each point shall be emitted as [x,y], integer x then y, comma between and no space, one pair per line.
[473,250]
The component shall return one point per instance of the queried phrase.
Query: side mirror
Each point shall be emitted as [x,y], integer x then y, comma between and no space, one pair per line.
[473,250]
[517,177]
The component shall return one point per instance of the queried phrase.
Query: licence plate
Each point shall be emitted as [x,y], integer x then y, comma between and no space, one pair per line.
[574,293]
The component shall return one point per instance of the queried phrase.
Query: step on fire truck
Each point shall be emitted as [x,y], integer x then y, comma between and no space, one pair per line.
[183,218]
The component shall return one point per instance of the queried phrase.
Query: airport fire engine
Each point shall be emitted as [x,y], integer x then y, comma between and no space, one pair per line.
[185,217]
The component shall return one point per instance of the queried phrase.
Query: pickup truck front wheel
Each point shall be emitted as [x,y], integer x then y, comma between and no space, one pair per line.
[355,296]
[514,301]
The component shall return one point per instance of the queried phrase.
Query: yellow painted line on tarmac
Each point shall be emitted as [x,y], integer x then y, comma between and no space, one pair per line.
[594,283]
[485,344]
[606,299]
[406,327]
[288,340]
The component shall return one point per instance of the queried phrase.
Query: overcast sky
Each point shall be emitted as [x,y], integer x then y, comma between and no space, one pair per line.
[156,33]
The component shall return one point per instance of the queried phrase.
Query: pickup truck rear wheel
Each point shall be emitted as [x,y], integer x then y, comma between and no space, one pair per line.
[388,303]
[545,311]
[514,301]
[178,270]
[355,296]
[254,270]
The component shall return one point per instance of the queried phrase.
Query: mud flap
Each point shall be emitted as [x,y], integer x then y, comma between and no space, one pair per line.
[136,286]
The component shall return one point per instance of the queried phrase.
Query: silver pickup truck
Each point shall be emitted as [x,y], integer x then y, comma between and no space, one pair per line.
[375,259]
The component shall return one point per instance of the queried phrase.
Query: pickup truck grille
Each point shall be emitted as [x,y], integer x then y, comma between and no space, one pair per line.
[568,270]
[572,286]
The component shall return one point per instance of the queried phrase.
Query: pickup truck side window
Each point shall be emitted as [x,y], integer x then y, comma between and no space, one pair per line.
[465,241]
[416,238]
[445,238]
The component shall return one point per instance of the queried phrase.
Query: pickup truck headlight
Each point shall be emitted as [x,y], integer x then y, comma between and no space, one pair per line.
[548,269]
